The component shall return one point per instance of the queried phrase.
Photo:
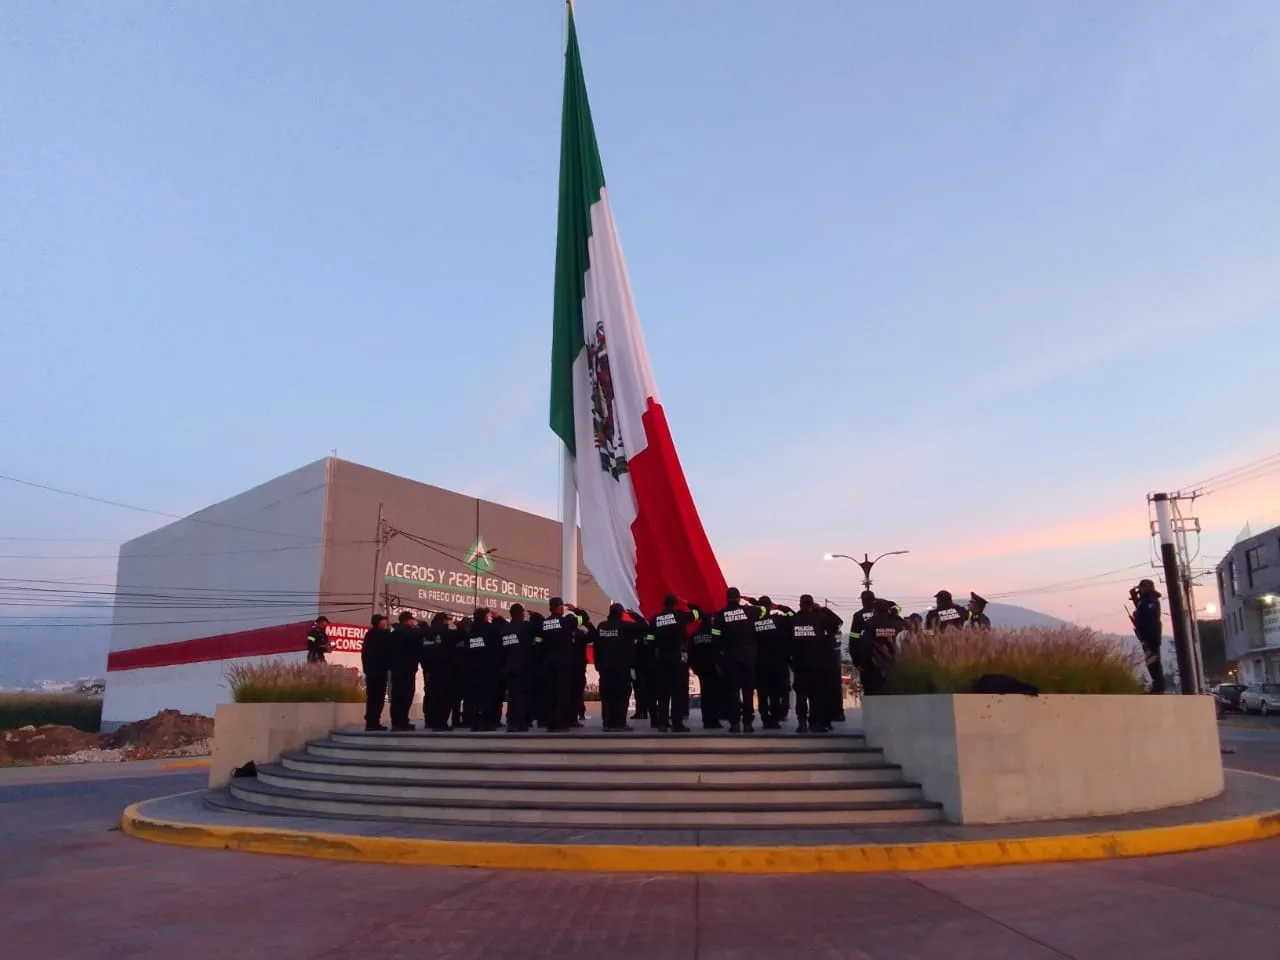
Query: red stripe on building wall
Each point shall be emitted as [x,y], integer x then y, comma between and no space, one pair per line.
[263,642]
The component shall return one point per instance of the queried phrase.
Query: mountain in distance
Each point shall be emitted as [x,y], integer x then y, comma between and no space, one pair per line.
[1011,616]
[44,648]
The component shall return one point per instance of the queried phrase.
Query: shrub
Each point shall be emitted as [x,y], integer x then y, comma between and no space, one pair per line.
[36,709]
[1065,660]
[281,681]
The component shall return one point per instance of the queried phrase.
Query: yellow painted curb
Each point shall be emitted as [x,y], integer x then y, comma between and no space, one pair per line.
[866,858]
[183,764]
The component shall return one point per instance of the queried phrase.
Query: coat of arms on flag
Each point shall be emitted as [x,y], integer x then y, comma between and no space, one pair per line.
[613,456]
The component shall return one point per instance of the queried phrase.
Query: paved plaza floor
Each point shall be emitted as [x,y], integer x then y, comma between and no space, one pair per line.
[74,887]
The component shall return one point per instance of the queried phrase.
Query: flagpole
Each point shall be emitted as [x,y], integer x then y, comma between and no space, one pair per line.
[568,530]
[569,490]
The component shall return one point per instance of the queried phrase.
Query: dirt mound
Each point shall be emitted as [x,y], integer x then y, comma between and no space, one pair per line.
[53,740]
[167,730]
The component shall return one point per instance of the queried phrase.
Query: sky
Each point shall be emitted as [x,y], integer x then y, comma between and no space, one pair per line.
[968,280]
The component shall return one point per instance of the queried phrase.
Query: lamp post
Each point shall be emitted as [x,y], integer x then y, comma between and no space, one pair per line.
[866,563]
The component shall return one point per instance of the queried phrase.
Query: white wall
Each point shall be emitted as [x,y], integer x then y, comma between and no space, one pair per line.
[248,562]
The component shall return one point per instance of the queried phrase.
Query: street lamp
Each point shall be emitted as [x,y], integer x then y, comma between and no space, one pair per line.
[866,563]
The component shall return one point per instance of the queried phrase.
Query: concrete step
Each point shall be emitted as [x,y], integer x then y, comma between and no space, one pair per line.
[581,814]
[658,755]
[651,796]
[763,741]
[830,770]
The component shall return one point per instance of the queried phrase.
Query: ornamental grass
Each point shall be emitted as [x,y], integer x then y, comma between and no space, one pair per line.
[1062,660]
[283,681]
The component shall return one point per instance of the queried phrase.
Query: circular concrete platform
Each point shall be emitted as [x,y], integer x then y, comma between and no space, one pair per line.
[1248,810]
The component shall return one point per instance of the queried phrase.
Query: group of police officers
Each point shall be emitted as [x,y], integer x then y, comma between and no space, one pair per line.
[752,651]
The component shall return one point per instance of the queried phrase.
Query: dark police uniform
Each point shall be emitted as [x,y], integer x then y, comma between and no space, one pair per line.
[375,662]
[481,683]
[734,626]
[317,643]
[772,671]
[440,679]
[668,636]
[872,644]
[517,670]
[811,660]
[558,637]
[706,662]
[1149,627]
[406,654]
[945,616]
[615,642]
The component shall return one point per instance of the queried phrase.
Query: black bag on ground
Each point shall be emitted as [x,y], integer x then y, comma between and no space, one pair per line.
[1000,683]
[250,769]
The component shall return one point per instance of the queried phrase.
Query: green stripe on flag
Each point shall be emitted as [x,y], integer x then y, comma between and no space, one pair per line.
[581,180]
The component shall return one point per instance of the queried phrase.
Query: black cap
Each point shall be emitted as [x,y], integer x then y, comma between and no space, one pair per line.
[732,595]
[974,598]
[765,601]
[670,600]
[322,619]
[555,602]
[406,616]
[806,598]
[867,595]
[377,619]
[517,608]
[616,609]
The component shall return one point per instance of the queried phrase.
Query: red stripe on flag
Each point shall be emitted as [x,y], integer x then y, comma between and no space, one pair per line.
[263,642]
[673,554]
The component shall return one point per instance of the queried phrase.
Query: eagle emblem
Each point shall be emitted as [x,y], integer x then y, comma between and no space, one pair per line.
[604,419]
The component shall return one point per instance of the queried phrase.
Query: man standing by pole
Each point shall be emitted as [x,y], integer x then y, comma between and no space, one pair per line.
[1149,629]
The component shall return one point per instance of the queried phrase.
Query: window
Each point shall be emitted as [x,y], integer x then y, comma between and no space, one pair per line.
[1256,557]
[1231,575]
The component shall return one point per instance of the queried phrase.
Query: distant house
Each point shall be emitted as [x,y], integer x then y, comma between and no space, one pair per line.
[1249,598]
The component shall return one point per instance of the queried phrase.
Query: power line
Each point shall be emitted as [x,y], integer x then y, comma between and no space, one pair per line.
[1243,473]
[163,513]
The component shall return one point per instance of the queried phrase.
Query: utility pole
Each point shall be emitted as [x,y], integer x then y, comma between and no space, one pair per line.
[377,564]
[1177,593]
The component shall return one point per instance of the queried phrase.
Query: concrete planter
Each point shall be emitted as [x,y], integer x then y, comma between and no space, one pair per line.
[1000,759]
[262,731]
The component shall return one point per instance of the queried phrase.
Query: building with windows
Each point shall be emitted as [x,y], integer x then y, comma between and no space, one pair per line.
[1249,596]
[244,579]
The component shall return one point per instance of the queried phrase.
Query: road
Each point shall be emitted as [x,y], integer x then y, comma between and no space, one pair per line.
[75,888]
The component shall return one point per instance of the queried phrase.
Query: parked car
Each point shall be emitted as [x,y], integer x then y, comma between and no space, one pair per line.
[1262,698]
[1228,696]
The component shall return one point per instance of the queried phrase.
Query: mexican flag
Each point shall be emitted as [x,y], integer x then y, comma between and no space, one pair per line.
[641,535]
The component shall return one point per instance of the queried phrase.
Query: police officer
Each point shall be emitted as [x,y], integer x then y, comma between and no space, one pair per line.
[772,655]
[872,643]
[830,624]
[615,642]
[406,653]
[317,641]
[945,615]
[706,662]
[480,680]
[734,626]
[375,661]
[440,679]
[517,669]
[668,640]
[461,637]
[558,637]
[497,686]
[643,674]
[978,620]
[811,660]
[1149,627]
